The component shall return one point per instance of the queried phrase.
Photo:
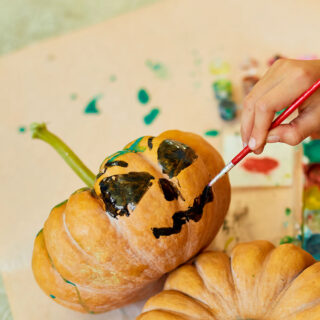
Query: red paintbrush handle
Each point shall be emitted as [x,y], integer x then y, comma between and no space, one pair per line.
[284,115]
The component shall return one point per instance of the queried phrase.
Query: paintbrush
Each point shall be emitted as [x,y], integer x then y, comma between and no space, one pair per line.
[284,115]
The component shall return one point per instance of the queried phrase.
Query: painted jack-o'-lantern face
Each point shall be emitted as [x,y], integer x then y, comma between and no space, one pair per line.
[149,212]
[121,193]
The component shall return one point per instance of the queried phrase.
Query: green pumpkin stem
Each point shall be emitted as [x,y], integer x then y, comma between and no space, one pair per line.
[40,131]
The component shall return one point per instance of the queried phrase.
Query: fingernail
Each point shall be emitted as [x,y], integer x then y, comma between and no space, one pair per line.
[244,144]
[272,139]
[252,143]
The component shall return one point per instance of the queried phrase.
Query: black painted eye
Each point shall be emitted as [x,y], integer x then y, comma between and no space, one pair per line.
[174,156]
[170,191]
[124,191]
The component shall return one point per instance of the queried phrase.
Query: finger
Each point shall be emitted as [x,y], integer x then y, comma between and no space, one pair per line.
[277,98]
[247,124]
[298,129]
[267,83]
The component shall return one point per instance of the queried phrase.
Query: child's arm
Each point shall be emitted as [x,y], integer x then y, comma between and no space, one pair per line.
[285,81]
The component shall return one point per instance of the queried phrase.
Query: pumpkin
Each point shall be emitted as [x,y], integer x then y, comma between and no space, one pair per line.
[258,282]
[149,211]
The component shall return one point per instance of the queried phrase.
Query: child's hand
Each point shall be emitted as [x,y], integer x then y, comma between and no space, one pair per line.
[285,81]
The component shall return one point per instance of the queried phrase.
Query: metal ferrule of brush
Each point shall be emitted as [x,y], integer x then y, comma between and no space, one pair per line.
[225,170]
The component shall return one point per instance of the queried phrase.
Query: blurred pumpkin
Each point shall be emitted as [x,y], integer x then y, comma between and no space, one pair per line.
[258,282]
[148,212]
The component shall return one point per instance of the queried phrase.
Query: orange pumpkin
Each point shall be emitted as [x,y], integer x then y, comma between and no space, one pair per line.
[259,281]
[149,212]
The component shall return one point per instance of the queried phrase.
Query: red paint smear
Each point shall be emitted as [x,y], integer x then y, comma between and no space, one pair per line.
[260,165]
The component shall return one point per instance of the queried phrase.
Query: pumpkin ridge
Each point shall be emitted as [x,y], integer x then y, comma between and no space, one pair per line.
[258,279]
[315,302]
[55,270]
[214,292]
[195,299]
[107,267]
[282,293]
[304,307]
[90,261]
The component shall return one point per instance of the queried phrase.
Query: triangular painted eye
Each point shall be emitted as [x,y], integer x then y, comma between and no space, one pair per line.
[170,191]
[124,191]
[174,156]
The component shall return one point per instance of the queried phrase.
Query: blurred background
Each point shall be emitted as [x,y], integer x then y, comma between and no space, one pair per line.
[25,21]
[102,73]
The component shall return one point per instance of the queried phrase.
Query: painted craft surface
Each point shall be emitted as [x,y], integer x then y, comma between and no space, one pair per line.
[274,167]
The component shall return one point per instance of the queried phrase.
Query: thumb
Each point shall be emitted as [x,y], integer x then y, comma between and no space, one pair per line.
[297,130]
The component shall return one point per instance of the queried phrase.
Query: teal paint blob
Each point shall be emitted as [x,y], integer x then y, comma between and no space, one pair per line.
[67,281]
[73,96]
[52,296]
[112,78]
[91,107]
[212,133]
[288,211]
[311,150]
[143,96]
[22,129]
[151,116]
[134,147]
[279,112]
[159,69]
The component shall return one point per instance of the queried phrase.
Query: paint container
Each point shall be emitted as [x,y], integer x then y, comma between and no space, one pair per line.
[227,109]
[222,89]
[312,245]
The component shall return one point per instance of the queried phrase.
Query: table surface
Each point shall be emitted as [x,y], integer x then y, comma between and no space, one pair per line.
[53,82]
[24,22]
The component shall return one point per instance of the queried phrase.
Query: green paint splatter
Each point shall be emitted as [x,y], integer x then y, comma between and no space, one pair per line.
[22,129]
[212,133]
[112,78]
[134,147]
[286,224]
[52,296]
[311,150]
[159,69]
[143,96]
[67,281]
[288,211]
[279,112]
[85,307]
[151,116]
[287,239]
[73,96]
[91,107]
